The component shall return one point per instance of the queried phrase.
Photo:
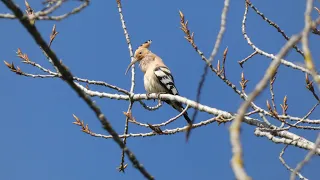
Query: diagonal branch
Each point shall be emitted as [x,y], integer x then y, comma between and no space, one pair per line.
[67,76]
[286,165]
[306,159]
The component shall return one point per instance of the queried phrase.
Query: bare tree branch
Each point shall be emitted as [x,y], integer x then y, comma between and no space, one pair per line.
[306,159]
[44,14]
[67,76]
[237,162]
[286,165]
[126,34]
[213,54]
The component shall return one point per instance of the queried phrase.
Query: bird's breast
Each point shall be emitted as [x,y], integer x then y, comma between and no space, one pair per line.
[151,84]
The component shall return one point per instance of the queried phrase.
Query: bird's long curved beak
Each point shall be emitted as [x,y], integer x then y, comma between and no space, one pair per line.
[132,62]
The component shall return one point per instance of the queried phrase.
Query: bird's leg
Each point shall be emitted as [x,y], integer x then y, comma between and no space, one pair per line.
[159,93]
[148,95]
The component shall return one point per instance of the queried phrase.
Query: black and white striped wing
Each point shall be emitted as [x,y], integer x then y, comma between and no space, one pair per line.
[166,79]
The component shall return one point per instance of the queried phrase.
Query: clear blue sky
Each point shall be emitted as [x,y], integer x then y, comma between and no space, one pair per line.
[39,141]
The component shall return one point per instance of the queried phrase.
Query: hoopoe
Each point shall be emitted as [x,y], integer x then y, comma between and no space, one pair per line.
[157,76]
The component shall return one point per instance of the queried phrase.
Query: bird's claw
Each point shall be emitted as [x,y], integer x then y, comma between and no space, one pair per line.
[148,95]
[158,94]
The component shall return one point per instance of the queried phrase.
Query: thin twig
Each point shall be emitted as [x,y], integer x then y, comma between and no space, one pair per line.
[164,123]
[310,87]
[286,165]
[64,16]
[165,132]
[100,83]
[247,58]
[51,9]
[43,14]
[151,108]
[272,80]
[302,119]
[273,24]
[306,159]
[126,34]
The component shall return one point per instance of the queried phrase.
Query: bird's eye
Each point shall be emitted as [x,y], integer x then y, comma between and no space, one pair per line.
[140,52]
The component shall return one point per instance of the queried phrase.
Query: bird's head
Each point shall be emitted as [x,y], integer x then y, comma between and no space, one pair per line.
[140,53]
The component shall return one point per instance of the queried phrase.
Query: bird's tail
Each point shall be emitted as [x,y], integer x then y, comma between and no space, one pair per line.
[178,106]
[185,115]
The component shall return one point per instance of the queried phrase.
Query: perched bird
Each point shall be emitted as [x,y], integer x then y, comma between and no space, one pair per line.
[157,76]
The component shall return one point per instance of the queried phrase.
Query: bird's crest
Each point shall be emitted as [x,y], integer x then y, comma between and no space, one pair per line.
[146,44]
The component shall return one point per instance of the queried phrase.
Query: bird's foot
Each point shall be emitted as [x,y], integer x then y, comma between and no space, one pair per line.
[159,93]
[148,95]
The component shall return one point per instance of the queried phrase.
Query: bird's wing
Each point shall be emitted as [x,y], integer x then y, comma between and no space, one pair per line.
[166,79]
